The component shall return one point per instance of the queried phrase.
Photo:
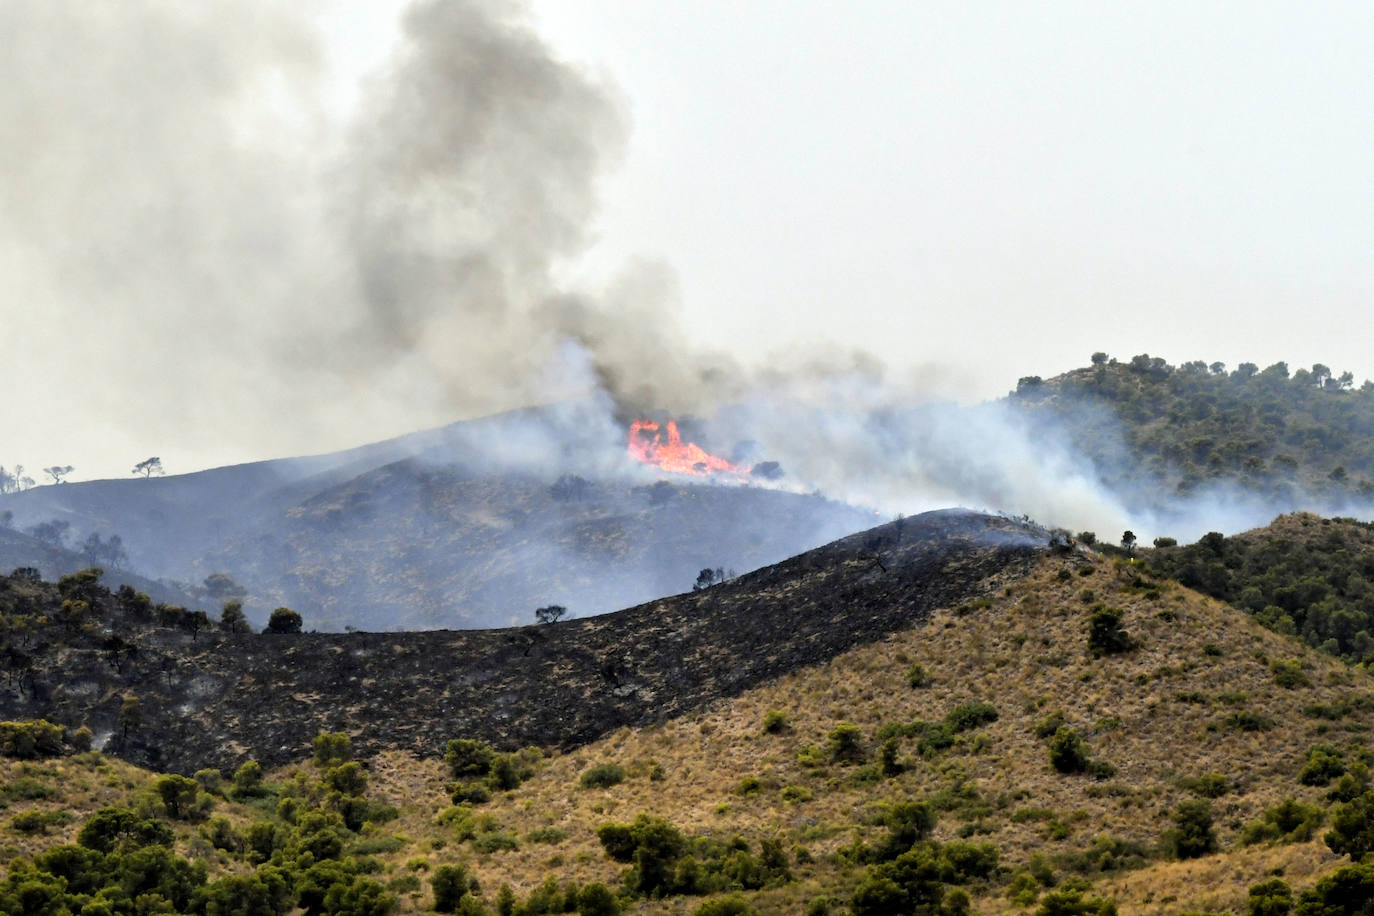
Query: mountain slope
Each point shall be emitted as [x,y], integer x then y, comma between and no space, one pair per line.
[1294,440]
[475,524]
[213,698]
[414,545]
[1204,707]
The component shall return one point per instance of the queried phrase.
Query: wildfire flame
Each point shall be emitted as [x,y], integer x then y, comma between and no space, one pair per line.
[647,445]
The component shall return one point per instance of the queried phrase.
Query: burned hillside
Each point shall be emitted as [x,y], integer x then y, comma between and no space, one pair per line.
[75,653]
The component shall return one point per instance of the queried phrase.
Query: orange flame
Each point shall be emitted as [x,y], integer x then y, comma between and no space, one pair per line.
[647,445]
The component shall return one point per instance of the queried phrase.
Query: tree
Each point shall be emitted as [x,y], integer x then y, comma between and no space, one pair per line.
[53,533]
[178,795]
[130,714]
[1192,835]
[14,481]
[451,884]
[110,553]
[232,619]
[550,614]
[284,620]
[58,471]
[1128,541]
[148,467]
[7,519]
[1099,358]
[1352,828]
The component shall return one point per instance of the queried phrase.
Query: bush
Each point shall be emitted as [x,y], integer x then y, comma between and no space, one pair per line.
[468,759]
[1352,828]
[1208,785]
[917,676]
[1270,898]
[733,905]
[845,743]
[1348,889]
[550,835]
[1071,900]
[248,780]
[596,899]
[1192,834]
[602,776]
[796,794]
[1289,821]
[1288,673]
[1247,721]
[775,722]
[1050,724]
[31,740]
[1068,753]
[332,749]
[1106,636]
[970,715]
[450,884]
[1323,764]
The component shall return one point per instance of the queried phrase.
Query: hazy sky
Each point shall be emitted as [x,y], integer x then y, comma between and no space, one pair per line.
[216,246]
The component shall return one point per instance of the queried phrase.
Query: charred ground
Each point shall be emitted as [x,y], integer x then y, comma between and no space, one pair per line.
[210,698]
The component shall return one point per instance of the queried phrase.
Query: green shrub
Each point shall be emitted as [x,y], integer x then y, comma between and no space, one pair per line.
[1289,821]
[31,740]
[1106,636]
[248,780]
[845,743]
[450,883]
[970,715]
[1352,828]
[550,835]
[332,749]
[733,905]
[917,676]
[31,822]
[1068,753]
[1192,834]
[775,722]
[1288,673]
[796,794]
[596,899]
[1324,763]
[602,776]
[1347,890]
[1246,721]
[1050,724]
[1070,899]
[468,759]
[1208,785]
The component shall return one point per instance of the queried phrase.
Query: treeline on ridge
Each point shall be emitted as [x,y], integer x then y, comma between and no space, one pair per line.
[1146,424]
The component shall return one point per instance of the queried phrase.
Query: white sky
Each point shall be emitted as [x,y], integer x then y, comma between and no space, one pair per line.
[973,191]
[1000,187]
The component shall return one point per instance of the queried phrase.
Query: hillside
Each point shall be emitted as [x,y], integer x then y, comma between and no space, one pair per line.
[1295,440]
[474,524]
[1301,575]
[74,652]
[794,802]
[412,545]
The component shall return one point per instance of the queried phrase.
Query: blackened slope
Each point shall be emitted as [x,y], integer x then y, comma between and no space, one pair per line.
[417,546]
[220,700]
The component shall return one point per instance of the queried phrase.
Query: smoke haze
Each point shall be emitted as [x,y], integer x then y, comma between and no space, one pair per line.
[212,267]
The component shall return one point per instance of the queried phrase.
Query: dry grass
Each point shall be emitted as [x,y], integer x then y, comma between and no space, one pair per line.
[1155,714]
